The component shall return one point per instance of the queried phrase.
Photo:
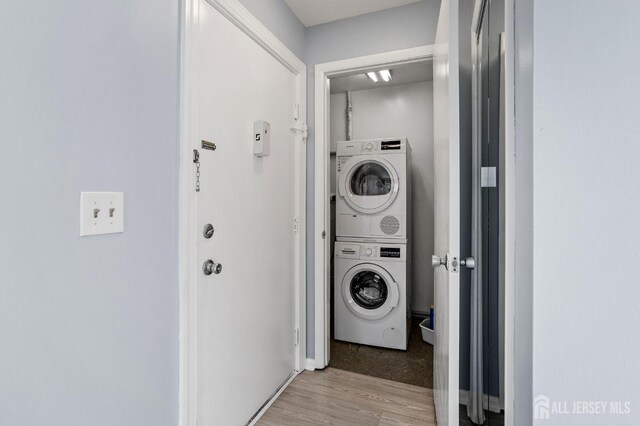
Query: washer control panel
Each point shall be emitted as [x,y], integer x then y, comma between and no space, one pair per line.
[371,146]
[390,252]
[365,251]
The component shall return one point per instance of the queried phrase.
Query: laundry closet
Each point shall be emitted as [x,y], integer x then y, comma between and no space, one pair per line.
[381,192]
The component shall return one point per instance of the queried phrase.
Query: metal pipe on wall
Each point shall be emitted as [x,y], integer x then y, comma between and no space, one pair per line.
[349,117]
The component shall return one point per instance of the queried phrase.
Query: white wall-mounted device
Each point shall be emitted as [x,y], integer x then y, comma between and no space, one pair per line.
[101,213]
[261,138]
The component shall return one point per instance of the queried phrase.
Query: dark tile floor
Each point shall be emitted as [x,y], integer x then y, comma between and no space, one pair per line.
[414,366]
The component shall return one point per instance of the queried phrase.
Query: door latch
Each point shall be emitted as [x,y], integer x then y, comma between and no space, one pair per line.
[209,145]
[196,161]
[468,262]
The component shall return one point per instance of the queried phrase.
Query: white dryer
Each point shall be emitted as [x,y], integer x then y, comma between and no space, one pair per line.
[373,179]
[372,294]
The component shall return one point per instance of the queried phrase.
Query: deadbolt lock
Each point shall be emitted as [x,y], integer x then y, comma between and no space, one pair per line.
[208,231]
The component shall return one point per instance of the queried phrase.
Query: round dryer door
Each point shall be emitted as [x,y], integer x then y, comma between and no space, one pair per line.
[369,291]
[369,184]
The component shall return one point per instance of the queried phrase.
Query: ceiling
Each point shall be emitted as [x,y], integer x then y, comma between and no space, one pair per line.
[314,12]
[405,74]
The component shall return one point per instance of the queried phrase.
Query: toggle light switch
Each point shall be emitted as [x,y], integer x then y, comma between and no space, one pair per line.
[101,213]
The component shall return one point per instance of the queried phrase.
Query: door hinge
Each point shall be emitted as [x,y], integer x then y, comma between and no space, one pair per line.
[296,337]
[302,128]
[295,224]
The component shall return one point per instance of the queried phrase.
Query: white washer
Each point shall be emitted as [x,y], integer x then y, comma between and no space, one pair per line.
[372,294]
[373,179]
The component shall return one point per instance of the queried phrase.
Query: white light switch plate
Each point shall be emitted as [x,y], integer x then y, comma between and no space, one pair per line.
[488,177]
[101,213]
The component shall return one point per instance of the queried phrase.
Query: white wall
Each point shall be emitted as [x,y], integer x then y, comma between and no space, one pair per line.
[89,102]
[395,111]
[586,181]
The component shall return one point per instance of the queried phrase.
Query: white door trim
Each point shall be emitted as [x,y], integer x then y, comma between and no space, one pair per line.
[509,216]
[243,19]
[321,224]
[508,264]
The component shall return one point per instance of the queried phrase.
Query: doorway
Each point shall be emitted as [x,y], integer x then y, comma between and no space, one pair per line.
[357,286]
[340,72]
[385,186]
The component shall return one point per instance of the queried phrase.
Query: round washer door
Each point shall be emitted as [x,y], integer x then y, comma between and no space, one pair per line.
[369,291]
[369,184]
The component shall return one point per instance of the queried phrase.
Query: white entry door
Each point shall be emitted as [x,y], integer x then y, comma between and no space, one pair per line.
[245,313]
[447,215]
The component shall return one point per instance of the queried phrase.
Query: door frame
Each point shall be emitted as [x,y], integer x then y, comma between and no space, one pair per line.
[322,216]
[507,188]
[188,229]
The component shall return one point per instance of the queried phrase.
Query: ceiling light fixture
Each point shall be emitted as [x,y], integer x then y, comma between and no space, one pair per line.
[377,76]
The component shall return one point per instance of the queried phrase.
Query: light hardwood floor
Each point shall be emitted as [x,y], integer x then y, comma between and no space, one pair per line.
[338,397]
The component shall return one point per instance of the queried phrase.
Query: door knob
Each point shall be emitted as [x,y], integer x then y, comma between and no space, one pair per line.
[438,261]
[210,267]
[469,262]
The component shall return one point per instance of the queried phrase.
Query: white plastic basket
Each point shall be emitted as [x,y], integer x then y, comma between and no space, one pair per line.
[427,332]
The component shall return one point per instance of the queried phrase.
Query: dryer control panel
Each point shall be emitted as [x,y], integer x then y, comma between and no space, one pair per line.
[364,251]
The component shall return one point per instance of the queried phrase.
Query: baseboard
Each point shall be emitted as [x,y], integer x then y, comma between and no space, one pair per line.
[273,398]
[310,364]
[491,403]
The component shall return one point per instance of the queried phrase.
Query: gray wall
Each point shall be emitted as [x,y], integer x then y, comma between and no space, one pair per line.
[585,154]
[89,102]
[281,21]
[398,28]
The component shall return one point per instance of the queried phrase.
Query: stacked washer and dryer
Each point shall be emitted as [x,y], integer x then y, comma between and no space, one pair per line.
[372,281]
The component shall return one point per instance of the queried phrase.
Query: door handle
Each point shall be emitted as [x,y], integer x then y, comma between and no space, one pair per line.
[439,261]
[469,262]
[210,267]
[436,261]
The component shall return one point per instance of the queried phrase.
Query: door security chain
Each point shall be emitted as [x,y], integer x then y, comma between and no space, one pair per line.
[196,161]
